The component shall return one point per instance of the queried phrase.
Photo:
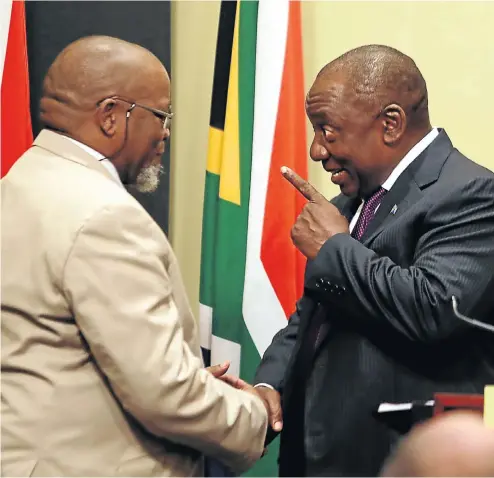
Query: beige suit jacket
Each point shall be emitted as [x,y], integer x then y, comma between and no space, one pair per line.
[101,365]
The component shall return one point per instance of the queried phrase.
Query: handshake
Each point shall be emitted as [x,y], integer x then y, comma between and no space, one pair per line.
[269,396]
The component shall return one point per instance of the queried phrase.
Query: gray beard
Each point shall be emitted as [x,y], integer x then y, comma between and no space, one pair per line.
[148,178]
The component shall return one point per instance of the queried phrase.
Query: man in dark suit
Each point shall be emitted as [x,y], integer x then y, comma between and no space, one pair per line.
[412,227]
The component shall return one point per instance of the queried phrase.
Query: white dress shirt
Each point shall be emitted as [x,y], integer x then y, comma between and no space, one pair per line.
[413,154]
[392,178]
[101,158]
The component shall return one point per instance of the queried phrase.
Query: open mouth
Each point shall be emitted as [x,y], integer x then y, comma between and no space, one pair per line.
[339,176]
[335,173]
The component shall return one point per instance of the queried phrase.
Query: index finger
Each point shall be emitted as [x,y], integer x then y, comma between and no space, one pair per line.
[305,188]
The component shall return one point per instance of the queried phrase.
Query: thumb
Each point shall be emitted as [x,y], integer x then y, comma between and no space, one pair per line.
[219,369]
[276,418]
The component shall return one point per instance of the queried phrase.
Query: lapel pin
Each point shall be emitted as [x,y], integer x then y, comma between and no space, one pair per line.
[394,209]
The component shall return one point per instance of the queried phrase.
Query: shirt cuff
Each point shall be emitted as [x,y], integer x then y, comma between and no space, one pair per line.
[262,384]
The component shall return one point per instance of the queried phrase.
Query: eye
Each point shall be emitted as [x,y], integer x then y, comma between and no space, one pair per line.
[328,134]
[162,118]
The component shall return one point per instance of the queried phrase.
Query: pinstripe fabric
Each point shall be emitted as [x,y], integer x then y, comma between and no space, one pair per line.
[392,335]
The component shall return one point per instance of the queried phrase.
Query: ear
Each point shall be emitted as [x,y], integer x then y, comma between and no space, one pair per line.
[107,117]
[394,121]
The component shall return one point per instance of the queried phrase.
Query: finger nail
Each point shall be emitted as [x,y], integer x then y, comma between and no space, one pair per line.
[277,426]
[284,170]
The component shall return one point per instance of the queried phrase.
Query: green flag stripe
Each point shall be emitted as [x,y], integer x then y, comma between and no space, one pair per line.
[224,245]
[208,246]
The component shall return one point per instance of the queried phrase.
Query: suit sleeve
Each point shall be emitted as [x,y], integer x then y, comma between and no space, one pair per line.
[274,362]
[117,283]
[454,256]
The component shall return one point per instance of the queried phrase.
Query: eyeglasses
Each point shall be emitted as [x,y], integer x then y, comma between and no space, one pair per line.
[476,323]
[164,116]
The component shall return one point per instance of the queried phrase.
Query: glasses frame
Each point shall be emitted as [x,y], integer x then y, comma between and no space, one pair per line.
[164,116]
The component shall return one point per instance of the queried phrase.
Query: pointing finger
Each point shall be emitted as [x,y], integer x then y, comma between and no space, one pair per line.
[305,188]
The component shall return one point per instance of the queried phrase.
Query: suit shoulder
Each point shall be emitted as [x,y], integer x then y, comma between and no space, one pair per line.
[461,179]
[70,187]
[463,169]
[49,189]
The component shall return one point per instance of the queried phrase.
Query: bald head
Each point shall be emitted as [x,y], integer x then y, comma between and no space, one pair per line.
[381,75]
[93,68]
[114,97]
[455,444]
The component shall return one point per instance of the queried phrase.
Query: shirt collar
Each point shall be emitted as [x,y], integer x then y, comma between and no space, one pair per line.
[100,157]
[413,154]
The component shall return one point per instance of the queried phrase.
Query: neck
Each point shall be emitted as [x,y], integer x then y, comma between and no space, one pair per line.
[398,154]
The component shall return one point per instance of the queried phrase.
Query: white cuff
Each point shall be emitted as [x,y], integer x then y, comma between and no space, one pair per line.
[262,384]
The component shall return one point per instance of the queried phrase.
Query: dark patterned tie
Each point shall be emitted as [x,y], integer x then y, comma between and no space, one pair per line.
[367,213]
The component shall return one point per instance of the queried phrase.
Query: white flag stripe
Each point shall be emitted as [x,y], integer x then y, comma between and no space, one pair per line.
[262,310]
[205,325]
[222,350]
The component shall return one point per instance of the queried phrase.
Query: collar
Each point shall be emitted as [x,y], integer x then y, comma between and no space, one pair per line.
[413,154]
[101,158]
[60,145]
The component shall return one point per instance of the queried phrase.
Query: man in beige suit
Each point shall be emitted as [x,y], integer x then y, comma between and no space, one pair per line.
[101,365]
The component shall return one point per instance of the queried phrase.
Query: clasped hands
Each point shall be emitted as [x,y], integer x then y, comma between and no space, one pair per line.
[318,221]
[270,398]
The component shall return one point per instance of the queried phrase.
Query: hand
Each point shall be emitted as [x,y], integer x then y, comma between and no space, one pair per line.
[219,369]
[271,399]
[318,221]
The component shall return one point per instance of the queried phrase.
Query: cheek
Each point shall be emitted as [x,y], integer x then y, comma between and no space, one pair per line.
[148,135]
[363,152]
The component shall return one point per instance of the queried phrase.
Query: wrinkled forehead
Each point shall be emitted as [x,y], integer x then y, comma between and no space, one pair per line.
[327,96]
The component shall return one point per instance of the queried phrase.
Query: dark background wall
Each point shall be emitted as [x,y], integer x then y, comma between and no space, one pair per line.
[53,25]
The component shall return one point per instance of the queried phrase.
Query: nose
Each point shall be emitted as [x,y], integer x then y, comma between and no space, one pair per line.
[166,133]
[318,151]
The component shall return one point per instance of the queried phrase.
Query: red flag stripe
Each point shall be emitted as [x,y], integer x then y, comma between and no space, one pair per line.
[283,263]
[16,126]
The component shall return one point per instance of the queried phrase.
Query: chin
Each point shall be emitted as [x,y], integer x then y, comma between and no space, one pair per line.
[148,179]
[350,190]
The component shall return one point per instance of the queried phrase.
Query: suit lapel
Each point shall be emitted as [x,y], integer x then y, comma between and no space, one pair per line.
[407,190]
[402,195]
